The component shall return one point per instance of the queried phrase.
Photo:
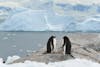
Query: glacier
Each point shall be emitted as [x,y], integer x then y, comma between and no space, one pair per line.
[89,25]
[48,15]
[25,21]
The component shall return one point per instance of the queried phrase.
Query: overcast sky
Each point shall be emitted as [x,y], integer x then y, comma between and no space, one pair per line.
[86,2]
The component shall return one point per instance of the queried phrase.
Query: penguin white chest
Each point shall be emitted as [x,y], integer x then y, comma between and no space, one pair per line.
[55,46]
[64,48]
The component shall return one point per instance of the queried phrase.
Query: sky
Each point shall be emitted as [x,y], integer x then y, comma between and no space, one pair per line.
[85,2]
[18,3]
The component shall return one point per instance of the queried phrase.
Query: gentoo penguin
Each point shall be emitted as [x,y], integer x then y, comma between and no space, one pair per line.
[51,44]
[66,45]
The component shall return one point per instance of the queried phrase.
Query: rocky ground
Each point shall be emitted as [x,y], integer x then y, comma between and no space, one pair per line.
[84,45]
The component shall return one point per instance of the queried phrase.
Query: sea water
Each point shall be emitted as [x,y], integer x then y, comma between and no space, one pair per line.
[24,43]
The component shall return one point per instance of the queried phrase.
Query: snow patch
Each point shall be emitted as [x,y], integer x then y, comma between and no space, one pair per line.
[10,59]
[69,63]
[28,63]
[1,60]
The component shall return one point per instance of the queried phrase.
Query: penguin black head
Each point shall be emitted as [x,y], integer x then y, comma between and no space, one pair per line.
[66,38]
[53,36]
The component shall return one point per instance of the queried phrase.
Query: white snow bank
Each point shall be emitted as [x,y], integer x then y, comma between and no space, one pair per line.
[1,60]
[10,59]
[67,63]
[75,63]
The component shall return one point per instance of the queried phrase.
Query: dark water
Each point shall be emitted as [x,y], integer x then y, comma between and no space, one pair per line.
[23,43]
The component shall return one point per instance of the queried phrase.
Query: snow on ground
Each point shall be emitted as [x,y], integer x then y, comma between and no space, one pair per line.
[69,63]
[11,59]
